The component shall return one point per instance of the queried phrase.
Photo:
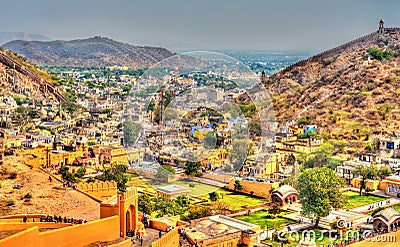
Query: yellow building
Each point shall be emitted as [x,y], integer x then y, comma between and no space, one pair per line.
[201,133]
[297,129]
[43,155]
[217,158]
[290,144]
[119,155]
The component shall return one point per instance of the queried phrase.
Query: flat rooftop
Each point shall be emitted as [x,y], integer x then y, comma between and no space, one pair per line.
[217,226]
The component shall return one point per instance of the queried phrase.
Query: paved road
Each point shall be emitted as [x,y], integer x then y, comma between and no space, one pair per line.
[383,203]
[209,182]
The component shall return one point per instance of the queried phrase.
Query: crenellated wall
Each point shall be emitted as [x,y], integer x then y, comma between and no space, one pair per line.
[334,50]
[99,189]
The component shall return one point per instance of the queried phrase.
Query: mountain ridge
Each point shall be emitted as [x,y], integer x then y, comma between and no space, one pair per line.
[344,90]
[96,51]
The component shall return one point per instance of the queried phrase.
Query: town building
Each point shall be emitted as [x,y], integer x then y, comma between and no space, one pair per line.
[172,191]
[219,230]
[386,220]
[284,195]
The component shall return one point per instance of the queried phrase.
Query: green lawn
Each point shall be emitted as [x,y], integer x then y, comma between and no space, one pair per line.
[199,189]
[261,219]
[355,200]
[236,201]
[397,207]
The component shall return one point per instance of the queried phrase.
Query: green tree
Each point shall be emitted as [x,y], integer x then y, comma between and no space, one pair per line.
[303,121]
[319,191]
[23,115]
[66,174]
[164,205]
[333,163]
[131,132]
[369,146]
[380,55]
[238,185]
[182,203]
[145,204]
[80,172]
[169,168]
[320,157]
[193,168]
[385,109]
[338,145]
[384,172]
[107,111]
[116,173]
[213,196]
[157,114]
[197,211]
[365,172]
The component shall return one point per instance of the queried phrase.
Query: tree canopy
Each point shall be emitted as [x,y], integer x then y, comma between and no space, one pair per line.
[193,168]
[319,192]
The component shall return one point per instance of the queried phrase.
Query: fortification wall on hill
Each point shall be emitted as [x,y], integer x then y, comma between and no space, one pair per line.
[338,49]
[44,86]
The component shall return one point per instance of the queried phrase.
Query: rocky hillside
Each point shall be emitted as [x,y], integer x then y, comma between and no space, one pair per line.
[349,92]
[18,77]
[97,51]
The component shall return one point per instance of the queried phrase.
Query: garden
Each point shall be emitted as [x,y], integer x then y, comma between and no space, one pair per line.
[355,200]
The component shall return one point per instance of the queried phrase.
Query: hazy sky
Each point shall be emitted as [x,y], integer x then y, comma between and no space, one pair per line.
[204,24]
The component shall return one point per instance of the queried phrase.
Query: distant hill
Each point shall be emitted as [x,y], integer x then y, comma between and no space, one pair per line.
[97,51]
[349,92]
[10,36]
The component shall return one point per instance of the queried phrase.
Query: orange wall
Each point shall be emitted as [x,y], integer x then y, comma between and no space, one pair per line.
[370,184]
[170,239]
[23,226]
[221,178]
[99,189]
[107,210]
[27,238]
[76,235]
[259,189]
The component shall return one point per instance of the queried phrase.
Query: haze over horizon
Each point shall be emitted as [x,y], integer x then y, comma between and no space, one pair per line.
[204,25]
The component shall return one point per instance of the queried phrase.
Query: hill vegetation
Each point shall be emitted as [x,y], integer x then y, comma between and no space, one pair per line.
[97,51]
[350,92]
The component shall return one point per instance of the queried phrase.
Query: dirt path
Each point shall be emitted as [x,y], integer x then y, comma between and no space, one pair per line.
[47,198]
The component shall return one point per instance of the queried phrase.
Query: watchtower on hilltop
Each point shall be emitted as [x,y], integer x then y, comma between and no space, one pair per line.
[381,26]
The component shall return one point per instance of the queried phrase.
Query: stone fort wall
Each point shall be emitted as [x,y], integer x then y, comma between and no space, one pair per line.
[98,189]
[77,235]
[170,239]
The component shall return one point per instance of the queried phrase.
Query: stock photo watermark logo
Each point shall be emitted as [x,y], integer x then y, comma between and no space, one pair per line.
[340,236]
[194,108]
